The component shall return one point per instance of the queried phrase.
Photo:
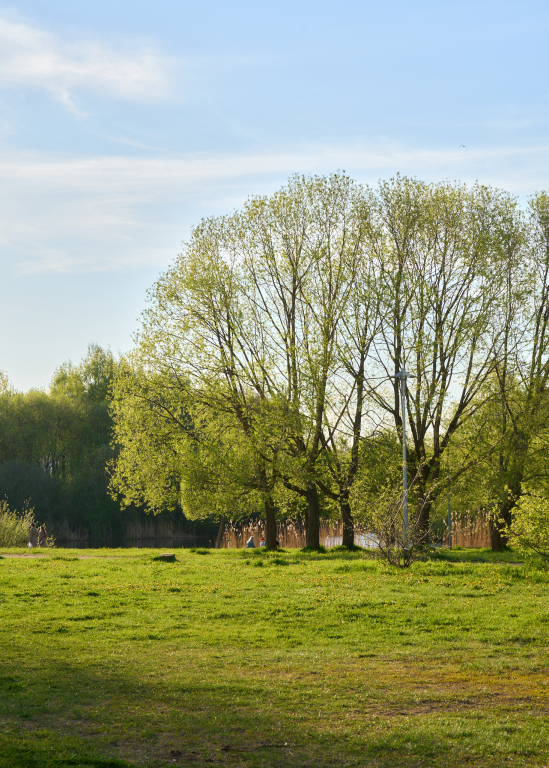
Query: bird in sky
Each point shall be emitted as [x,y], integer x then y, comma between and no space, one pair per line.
[463,145]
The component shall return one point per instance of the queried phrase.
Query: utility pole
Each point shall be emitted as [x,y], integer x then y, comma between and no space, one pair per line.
[449,498]
[403,375]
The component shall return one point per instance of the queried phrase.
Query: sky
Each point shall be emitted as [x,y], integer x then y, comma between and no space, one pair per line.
[123,124]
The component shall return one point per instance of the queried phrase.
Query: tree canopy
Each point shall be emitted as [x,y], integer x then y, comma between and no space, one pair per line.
[267,357]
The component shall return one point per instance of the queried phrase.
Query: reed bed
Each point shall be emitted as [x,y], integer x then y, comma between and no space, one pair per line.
[469,530]
[69,535]
[290,534]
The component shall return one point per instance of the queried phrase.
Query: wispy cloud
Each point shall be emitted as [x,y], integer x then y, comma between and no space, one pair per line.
[32,57]
[133,171]
[118,212]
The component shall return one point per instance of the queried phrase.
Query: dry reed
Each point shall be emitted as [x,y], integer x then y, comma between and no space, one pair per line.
[469,530]
[290,534]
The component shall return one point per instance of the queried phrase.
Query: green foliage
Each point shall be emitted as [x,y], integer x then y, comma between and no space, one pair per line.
[54,447]
[14,526]
[4,382]
[510,453]
[90,380]
[379,477]
[279,330]
[64,430]
[174,452]
[245,333]
[529,529]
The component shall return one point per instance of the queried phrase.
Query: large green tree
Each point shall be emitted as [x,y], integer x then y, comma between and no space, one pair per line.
[523,375]
[444,259]
[274,342]
[511,447]
[261,319]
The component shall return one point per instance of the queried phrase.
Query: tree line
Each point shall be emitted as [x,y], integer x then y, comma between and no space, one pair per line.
[55,447]
[264,375]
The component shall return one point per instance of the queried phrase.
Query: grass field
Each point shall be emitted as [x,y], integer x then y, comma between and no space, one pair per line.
[246,658]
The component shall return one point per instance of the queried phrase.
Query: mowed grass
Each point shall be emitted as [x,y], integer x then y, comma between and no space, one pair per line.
[247,658]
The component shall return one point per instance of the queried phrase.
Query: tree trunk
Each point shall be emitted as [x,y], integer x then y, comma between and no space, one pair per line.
[270,523]
[313,518]
[348,525]
[498,539]
[220,532]
[423,519]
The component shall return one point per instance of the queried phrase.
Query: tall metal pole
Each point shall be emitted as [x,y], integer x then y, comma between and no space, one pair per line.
[449,498]
[403,375]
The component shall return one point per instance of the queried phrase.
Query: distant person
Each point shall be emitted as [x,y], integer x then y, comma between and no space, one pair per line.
[43,536]
[250,544]
[33,536]
[262,542]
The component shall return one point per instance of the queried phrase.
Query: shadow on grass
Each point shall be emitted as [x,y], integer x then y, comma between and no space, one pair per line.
[26,751]
[57,715]
[475,555]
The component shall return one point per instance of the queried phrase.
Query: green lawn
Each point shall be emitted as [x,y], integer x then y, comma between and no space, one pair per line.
[250,659]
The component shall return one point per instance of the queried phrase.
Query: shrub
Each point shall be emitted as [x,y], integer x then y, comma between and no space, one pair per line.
[14,526]
[529,529]
[397,543]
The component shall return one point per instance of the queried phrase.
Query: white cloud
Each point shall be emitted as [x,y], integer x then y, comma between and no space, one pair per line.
[36,58]
[117,212]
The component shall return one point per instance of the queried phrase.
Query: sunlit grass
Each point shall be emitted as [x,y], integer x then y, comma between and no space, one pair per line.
[308,659]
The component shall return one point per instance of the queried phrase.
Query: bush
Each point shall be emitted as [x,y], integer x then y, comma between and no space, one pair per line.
[397,543]
[14,526]
[529,529]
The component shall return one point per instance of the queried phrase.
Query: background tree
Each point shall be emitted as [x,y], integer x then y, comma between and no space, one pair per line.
[529,527]
[505,445]
[54,447]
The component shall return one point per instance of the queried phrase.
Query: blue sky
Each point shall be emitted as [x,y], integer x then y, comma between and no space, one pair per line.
[122,124]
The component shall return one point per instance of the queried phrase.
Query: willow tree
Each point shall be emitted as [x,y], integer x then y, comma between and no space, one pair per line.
[308,279]
[176,452]
[250,322]
[443,261]
[522,375]
[288,321]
